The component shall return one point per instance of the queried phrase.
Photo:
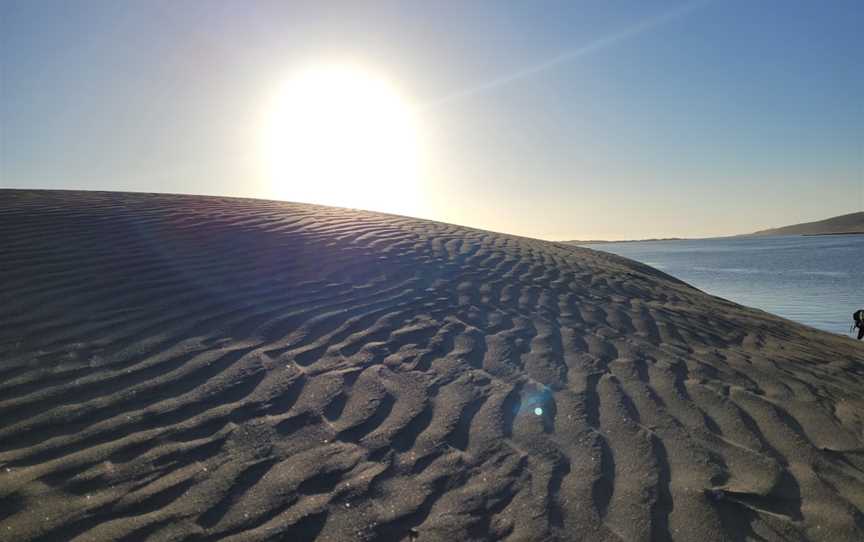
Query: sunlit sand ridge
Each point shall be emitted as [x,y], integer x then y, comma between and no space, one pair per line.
[193,368]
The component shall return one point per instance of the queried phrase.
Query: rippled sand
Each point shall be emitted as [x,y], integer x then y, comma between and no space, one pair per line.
[196,368]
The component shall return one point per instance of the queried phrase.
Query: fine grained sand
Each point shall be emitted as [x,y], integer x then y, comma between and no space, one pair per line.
[195,368]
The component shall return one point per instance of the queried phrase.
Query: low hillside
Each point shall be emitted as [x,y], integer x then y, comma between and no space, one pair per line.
[851,223]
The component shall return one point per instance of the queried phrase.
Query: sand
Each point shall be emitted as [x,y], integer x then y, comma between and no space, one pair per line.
[199,368]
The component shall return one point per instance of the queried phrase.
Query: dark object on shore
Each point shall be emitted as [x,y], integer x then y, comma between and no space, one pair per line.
[858,318]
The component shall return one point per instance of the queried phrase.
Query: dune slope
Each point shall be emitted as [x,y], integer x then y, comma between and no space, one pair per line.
[197,368]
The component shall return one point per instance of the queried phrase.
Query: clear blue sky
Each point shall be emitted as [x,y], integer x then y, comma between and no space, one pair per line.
[560,120]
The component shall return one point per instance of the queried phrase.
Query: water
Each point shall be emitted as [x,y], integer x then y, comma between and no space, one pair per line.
[818,281]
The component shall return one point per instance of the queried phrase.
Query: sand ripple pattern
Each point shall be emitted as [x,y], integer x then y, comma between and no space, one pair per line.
[193,368]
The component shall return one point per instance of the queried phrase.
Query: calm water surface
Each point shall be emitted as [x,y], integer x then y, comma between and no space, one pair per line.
[818,281]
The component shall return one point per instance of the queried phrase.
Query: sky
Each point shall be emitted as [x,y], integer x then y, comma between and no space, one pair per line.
[576,119]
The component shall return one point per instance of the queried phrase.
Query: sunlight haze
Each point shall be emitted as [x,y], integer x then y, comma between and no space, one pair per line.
[558,120]
[336,134]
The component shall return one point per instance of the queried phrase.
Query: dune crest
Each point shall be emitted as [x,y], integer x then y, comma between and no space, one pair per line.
[201,368]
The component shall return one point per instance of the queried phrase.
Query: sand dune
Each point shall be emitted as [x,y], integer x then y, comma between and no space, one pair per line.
[195,368]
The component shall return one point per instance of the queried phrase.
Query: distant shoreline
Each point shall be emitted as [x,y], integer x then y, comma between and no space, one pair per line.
[848,224]
[600,241]
[739,236]
[834,233]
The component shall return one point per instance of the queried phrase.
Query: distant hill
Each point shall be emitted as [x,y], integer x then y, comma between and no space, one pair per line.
[851,223]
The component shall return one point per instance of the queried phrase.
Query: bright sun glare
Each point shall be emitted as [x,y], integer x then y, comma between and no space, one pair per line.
[338,135]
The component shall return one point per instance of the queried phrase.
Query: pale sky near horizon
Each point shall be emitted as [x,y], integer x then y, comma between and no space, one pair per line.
[559,120]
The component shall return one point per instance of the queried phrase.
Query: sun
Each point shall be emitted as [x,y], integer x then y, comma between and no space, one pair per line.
[339,135]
